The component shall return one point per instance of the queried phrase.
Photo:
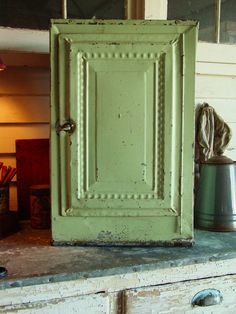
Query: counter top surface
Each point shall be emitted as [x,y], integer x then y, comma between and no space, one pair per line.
[30,259]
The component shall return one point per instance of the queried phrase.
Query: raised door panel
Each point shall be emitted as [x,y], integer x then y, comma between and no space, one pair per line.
[121,170]
[119,143]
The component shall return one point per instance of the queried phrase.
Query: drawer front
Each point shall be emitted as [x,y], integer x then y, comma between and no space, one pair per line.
[89,304]
[178,297]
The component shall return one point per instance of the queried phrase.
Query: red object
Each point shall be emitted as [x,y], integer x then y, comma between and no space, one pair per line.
[9,176]
[32,163]
[3,174]
[2,65]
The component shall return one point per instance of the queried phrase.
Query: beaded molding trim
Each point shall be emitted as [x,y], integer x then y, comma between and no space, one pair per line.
[120,55]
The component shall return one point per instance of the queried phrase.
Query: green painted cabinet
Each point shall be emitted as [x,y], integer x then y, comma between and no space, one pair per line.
[122,98]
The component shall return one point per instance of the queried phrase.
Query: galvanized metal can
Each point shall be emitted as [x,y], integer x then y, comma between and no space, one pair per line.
[215,207]
[40,206]
[4,199]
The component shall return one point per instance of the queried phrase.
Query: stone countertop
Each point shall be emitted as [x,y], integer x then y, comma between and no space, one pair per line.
[30,259]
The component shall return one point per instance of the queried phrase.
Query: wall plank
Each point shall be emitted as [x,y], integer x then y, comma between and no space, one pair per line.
[220,69]
[208,52]
[25,81]
[215,87]
[24,40]
[24,109]
[16,58]
[10,133]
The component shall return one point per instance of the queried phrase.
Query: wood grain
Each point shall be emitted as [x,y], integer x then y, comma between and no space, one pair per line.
[177,298]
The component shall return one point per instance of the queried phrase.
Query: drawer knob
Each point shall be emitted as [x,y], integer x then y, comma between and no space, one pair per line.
[207,297]
[68,126]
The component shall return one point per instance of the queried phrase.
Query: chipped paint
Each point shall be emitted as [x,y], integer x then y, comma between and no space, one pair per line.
[112,198]
[144,293]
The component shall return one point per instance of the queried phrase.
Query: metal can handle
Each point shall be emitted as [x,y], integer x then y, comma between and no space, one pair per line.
[207,297]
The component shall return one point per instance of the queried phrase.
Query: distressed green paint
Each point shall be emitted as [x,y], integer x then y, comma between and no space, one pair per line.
[124,176]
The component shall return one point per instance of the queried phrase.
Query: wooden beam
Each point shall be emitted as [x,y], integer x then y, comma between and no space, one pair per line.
[146,9]
[155,10]
[134,9]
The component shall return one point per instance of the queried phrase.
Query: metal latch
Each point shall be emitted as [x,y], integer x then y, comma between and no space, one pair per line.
[68,126]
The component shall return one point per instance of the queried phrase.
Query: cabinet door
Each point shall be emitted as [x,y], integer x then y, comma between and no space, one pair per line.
[122,131]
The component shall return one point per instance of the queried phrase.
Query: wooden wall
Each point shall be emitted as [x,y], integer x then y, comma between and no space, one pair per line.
[24,96]
[24,105]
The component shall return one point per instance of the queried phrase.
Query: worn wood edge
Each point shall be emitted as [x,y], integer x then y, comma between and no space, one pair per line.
[115,283]
[184,297]
[101,301]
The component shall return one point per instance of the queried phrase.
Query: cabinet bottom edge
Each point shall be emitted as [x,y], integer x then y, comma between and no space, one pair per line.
[171,243]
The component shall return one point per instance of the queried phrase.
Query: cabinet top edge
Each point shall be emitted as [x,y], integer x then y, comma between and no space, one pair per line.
[124,22]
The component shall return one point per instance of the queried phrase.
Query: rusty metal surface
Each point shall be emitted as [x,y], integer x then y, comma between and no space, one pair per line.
[30,259]
[171,243]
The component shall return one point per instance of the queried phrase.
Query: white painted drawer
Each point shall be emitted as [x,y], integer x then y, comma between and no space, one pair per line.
[88,304]
[177,298]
